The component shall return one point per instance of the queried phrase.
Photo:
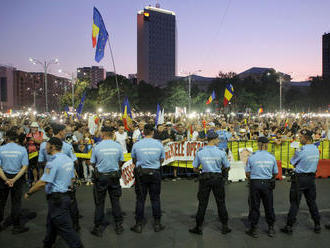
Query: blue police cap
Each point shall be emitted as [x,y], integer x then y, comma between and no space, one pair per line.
[211,135]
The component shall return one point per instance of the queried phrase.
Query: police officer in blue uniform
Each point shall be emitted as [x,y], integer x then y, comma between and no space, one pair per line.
[261,169]
[224,136]
[148,155]
[305,162]
[107,157]
[13,165]
[56,180]
[59,131]
[214,163]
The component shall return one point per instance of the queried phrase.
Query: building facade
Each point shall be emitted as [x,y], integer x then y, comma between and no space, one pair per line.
[156,46]
[326,55]
[20,90]
[93,75]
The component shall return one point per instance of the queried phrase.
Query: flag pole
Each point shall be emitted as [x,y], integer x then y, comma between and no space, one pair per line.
[114,70]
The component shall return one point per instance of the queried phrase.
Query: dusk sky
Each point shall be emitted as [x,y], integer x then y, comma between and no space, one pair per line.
[282,34]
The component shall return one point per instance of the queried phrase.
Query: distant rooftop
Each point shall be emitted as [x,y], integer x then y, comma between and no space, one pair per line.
[255,70]
[300,84]
[157,9]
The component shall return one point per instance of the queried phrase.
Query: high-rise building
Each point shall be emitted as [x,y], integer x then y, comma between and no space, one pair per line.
[156,46]
[326,55]
[93,74]
[7,88]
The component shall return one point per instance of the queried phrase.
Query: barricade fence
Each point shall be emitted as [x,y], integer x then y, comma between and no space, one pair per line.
[179,155]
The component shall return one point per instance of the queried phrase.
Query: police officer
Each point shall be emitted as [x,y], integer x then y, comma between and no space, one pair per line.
[59,131]
[261,169]
[13,165]
[224,136]
[214,163]
[305,162]
[56,179]
[148,155]
[107,156]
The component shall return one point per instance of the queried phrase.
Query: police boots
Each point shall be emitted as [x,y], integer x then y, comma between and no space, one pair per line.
[119,228]
[97,231]
[252,232]
[158,226]
[137,228]
[287,229]
[225,229]
[196,230]
[271,231]
[317,228]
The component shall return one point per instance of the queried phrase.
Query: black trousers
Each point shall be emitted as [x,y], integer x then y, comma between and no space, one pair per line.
[16,193]
[143,184]
[261,190]
[59,222]
[74,210]
[303,185]
[111,185]
[204,190]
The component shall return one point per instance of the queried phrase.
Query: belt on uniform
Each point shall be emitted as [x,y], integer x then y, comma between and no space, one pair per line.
[305,174]
[111,173]
[210,175]
[262,180]
[57,195]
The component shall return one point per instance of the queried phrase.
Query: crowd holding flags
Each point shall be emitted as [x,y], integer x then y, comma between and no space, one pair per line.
[100,31]
[127,114]
[229,92]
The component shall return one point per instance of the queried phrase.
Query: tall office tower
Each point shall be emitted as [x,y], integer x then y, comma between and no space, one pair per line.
[326,55]
[156,46]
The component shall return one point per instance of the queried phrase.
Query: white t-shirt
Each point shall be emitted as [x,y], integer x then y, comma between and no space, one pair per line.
[194,136]
[121,139]
[136,134]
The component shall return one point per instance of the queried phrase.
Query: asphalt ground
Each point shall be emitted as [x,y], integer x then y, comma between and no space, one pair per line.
[179,204]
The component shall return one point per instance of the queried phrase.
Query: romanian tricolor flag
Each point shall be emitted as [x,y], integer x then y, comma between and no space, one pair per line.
[211,98]
[9,111]
[229,92]
[127,114]
[204,126]
[260,111]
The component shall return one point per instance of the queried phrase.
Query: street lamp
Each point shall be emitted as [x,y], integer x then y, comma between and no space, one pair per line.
[189,88]
[72,83]
[45,66]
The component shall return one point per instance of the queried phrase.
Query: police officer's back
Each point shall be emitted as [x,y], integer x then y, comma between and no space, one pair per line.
[107,156]
[13,164]
[57,179]
[214,163]
[261,169]
[305,162]
[147,155]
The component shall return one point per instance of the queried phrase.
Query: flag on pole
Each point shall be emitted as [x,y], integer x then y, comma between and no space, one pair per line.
[229,92]
[211,98]
[204,126]
[127,114]
[260,111]
[81,104]
[66,111]
[9,111]
[159,116]
[100,31]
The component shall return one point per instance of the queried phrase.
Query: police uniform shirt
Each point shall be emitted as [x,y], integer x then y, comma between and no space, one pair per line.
[224,136]
[148,153]
[212,159]
[306,159]
[261,165]
[67,149]
[106,155]
[58,174]
[13,157]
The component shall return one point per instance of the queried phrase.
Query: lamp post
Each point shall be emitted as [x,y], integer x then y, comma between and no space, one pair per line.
[45,66]
[189,88]
[73,79]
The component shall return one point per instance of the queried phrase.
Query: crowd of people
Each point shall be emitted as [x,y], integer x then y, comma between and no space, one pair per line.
[43,144]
